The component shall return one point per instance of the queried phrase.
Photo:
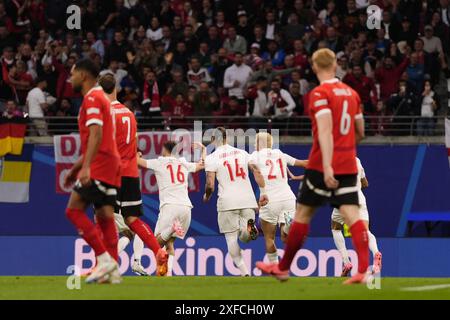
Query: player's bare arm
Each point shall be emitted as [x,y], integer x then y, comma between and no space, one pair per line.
[325,130]
[71,175]
[301,163]
[263,198]
[210,185]
[359,128]
[141,161]
[201,164]
[294,177]
[94,141]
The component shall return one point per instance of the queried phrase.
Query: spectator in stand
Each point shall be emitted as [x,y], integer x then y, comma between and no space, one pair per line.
[415,72]
[280,102]
[197,74]
[12,111]
[178,86]
[213,40]
[180,108]
[233,113]
[364,86]
[151,100]
[37,106]
[21,80]
[181,56]
[220,63]
[205,101]
[221,25]
[235,43]
[243,28]
[294,91]
[237,76]
[119,74]
[400,104]
[293,30]
[388,76]
[118,49]
[258,109]
[154,32]
[428,105]
[342,65]
[96,45]
[269,72]
[274,53]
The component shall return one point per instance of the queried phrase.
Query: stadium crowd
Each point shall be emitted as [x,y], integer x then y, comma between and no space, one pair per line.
[248,58]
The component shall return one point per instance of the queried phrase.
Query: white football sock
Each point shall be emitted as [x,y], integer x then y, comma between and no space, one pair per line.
[372,243]
[123,243]
[339,241]
[273,257]
[235,252]
[170,265]
[138,248]
[167,233]
[103,258]
[244,235]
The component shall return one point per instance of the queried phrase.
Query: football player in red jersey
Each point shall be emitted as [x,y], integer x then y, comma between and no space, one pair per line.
[96,173]
[337,124]
[129,201]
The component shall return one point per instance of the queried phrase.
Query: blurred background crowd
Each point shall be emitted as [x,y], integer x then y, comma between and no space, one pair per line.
[226,59]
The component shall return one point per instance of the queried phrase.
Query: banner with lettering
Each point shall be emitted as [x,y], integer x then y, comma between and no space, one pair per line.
[68,149]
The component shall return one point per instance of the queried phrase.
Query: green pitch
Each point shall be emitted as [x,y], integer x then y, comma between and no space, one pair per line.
[232,288]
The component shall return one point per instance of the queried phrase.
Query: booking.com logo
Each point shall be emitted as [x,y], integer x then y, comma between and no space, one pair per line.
[373,17]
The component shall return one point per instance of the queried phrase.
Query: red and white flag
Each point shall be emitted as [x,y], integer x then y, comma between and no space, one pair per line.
[447,137]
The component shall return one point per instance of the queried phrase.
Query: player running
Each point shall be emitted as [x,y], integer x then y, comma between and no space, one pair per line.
[129,201]
[96,173]
[337,122]
[273,165]
[236,202]
[337,223]
[174,204]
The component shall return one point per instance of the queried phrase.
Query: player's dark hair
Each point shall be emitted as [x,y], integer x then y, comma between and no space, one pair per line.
[87,65]
[169,145]
[107,82]
[219,134]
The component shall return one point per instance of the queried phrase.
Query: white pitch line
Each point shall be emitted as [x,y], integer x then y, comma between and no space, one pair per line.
[427,288]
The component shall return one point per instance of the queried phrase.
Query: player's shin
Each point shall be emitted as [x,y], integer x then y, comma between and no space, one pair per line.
[296,238]
[123,243]
[235,252]
[86,229]
[339,241]
[361,244]
[373,246]
[110,234]
[138,248]
[145,233]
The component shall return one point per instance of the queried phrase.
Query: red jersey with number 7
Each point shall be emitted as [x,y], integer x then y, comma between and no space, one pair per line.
[126,139]
[96,110]
[344,105]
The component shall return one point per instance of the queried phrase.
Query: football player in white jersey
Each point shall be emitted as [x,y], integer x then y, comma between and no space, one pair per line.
[337,223]
[174,204]
[236,203]
[273,165]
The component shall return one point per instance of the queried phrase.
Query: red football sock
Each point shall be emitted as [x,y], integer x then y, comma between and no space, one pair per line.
[361,244]
[110,235]
[145,233]
[87,229]
[296,238]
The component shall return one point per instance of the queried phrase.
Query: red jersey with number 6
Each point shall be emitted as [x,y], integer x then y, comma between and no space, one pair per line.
[96,110]
[126,139]
[344,105]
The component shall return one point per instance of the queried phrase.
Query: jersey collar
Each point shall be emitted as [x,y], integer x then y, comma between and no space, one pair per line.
[92,89]
[334,80]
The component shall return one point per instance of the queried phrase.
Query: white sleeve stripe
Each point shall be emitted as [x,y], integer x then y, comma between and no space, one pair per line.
[322,112]
[359,116]
[322,102]
[94,121]
[93,111]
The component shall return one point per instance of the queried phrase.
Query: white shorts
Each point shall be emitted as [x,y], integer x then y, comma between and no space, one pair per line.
[233,220]
[363,215]
[120,223]
[168,213]
[274,212]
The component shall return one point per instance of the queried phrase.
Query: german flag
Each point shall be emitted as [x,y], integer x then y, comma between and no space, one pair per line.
[12,133]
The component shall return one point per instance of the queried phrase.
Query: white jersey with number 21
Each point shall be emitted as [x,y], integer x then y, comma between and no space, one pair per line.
[231,167]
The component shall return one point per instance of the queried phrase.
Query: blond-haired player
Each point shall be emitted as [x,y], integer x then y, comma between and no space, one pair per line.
[337,123]
[273,166]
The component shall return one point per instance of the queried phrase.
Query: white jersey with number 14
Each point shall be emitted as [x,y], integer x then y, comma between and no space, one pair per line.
[231,167]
